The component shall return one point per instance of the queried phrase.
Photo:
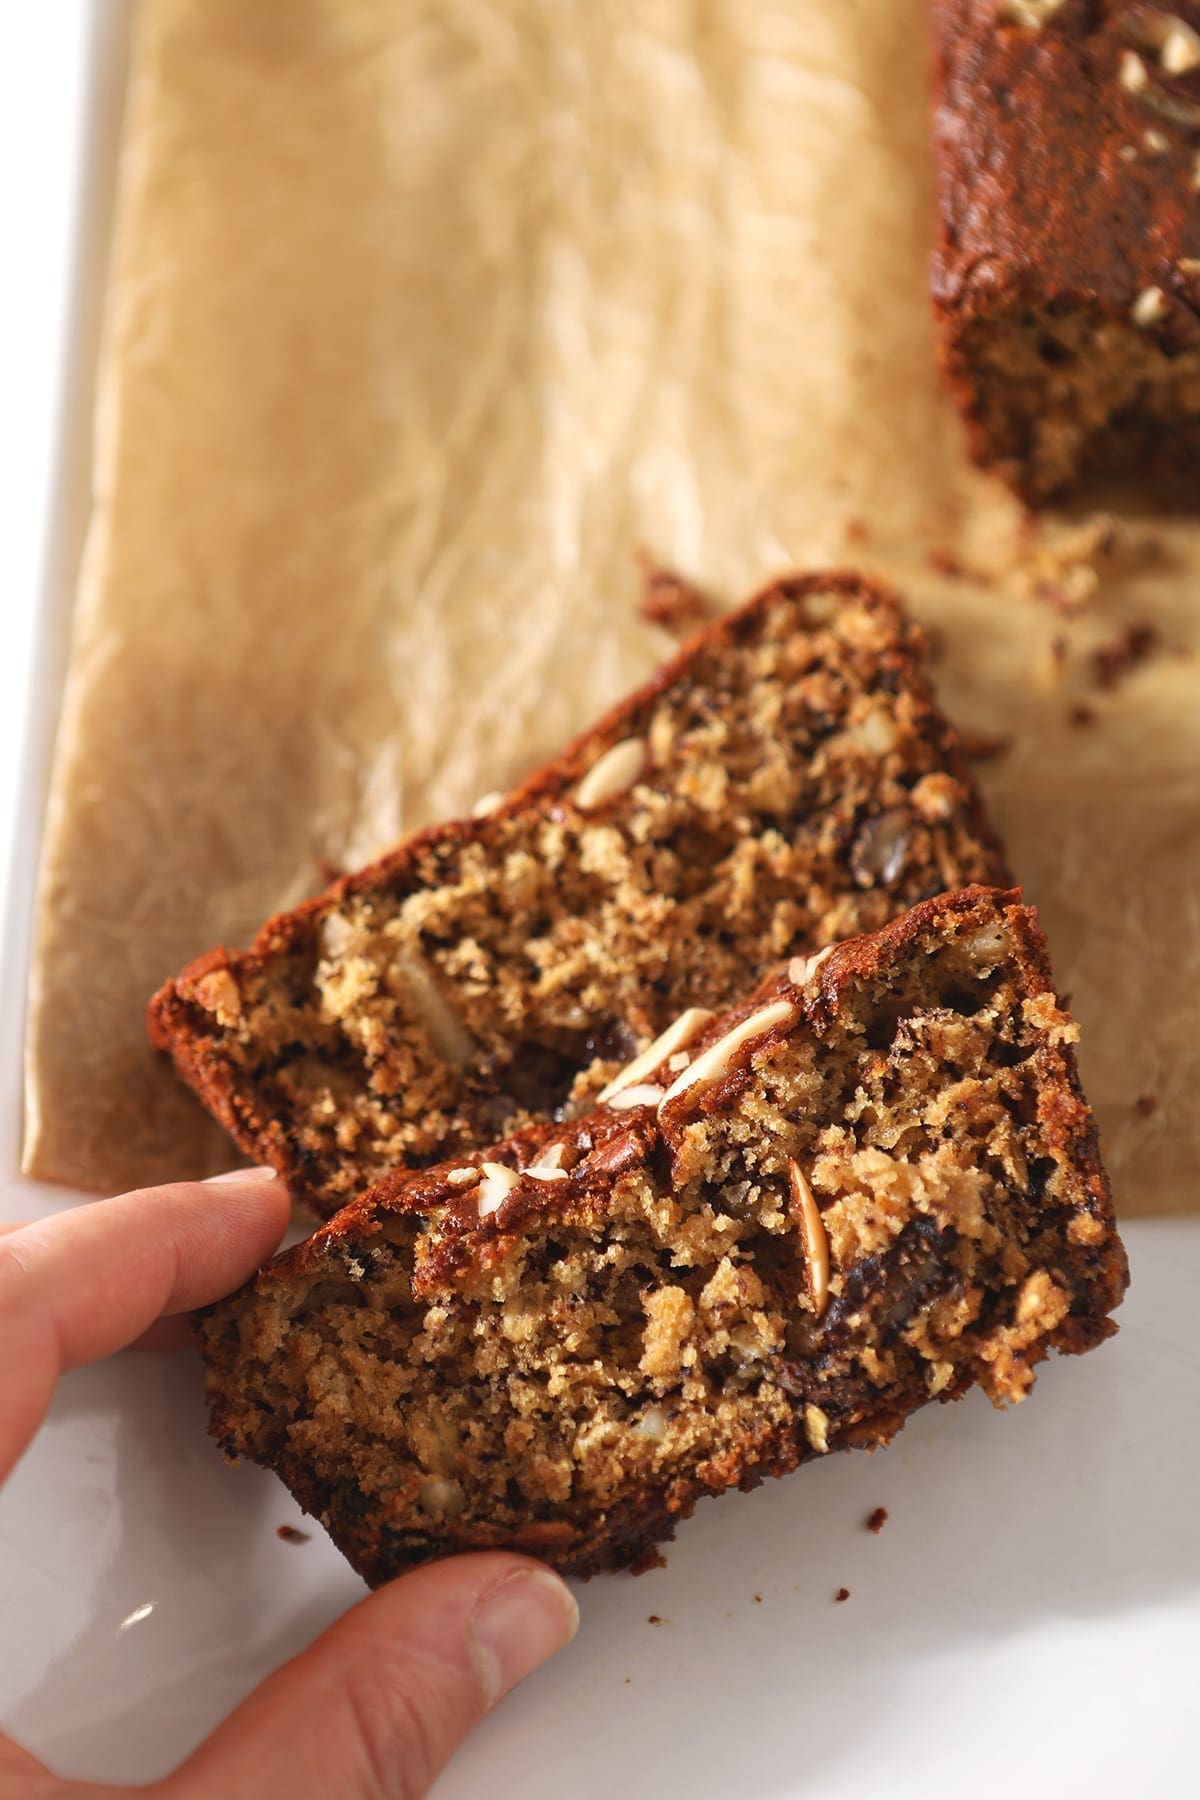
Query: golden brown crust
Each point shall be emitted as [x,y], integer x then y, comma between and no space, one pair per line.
[1065,279]
[839,848]
[934,1287]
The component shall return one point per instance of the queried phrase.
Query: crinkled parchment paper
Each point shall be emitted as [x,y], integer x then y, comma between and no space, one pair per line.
[424,314]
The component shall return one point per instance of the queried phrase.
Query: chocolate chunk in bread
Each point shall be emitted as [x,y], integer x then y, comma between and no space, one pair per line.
[786,781]
[1066,277]
[873,1183]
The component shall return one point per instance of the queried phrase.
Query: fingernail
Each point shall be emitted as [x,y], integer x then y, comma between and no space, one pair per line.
[517,1625]
[243,1175]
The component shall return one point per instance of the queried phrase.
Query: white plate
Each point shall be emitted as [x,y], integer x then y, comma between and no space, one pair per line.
[1029,1618]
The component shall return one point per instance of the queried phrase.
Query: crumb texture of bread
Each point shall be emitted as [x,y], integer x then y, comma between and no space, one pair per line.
[872,1184]
[1066,277]
[787,781]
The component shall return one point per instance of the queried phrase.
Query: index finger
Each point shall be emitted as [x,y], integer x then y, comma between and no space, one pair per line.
[76,1287]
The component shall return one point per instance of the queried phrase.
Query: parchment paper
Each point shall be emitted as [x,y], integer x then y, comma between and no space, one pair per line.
[424,315]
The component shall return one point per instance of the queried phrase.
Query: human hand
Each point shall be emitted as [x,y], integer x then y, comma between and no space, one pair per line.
[377,1705]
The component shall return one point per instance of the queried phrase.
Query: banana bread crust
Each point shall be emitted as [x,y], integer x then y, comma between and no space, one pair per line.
[798,784]
[933,1281]
[1065,278]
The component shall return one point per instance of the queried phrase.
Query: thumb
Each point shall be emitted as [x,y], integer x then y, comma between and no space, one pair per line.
[378,1705]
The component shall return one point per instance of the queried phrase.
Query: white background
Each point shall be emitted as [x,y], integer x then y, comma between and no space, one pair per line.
[1028,1620]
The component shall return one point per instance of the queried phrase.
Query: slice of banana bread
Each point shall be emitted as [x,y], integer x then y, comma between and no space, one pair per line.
[873,1183]
[786,781]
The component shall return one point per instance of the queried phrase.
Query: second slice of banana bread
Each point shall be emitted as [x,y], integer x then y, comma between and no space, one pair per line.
[786,781]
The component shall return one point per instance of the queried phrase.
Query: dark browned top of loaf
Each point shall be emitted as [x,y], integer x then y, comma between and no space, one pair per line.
[1067,159]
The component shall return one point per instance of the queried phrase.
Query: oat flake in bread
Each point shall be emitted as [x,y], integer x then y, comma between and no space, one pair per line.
[873,1183]
[786,781]
[1066,278]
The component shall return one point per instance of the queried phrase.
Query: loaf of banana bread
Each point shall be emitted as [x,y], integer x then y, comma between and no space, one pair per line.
[786,781]
[1066,277]
[873,1183]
